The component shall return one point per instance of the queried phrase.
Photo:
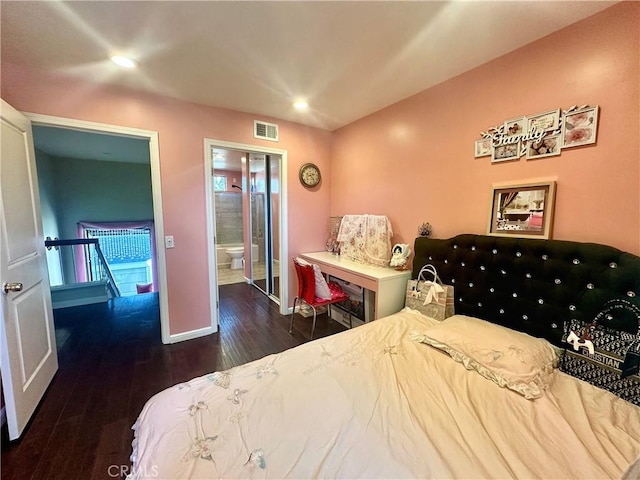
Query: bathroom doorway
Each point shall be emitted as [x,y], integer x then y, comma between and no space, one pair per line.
[246,204]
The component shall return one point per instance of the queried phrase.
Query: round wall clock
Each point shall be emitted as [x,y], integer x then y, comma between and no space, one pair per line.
[309,175]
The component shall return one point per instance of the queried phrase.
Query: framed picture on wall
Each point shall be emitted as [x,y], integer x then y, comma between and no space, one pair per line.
[522,210]
[548,146]
[504,153]
[544,121]
[483,147]
[579,127]
[515,126]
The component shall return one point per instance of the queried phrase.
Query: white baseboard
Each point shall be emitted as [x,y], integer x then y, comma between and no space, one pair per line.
[181,337]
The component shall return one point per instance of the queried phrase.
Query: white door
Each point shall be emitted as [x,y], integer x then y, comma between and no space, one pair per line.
[28,357]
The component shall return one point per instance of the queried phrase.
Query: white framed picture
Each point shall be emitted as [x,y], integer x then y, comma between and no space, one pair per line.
[544,121]
[547,146]
[504,153]
[483,147]
[579,127]
[515,126]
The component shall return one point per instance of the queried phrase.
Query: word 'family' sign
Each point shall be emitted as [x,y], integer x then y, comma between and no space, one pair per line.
[539,136]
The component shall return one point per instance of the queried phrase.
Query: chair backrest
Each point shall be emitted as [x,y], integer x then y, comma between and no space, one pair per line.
[306,281]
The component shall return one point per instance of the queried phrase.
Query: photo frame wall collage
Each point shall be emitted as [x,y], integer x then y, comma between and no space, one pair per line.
[537,136]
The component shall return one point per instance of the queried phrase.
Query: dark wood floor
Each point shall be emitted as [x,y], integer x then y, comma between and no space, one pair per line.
[112,361]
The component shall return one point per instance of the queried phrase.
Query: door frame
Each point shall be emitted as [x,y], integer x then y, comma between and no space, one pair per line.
[209,145]
[156,189]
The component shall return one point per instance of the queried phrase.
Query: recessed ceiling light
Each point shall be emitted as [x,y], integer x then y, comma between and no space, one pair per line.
[123,61]
[301,105]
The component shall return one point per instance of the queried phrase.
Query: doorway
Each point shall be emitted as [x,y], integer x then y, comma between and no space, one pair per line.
[264,240]
[151,141]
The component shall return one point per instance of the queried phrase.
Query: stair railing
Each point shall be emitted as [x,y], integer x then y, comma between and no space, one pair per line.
[112,286]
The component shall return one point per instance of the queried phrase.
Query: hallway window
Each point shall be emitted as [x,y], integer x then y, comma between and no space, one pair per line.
[128,252]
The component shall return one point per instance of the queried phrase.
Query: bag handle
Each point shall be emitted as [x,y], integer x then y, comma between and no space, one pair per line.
[428,268]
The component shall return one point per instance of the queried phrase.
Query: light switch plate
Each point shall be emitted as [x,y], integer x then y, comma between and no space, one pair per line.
[168,241]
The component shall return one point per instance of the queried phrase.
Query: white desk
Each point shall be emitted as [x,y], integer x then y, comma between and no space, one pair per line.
[389,285]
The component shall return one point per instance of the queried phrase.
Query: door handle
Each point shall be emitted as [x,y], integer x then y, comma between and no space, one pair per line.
[12,287]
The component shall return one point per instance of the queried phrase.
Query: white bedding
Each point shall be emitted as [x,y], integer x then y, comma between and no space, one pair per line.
[372,403]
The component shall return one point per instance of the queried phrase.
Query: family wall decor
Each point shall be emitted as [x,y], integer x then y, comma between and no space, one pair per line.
[539,136]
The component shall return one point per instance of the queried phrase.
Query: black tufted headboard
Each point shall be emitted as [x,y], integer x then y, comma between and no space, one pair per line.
[532,285]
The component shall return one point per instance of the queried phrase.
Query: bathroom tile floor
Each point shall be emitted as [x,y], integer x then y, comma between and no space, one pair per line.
[228,276]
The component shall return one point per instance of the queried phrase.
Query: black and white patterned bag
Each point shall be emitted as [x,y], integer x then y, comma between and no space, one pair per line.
[606,357]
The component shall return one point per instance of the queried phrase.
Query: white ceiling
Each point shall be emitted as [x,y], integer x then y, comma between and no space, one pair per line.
[67,143]
[348,59]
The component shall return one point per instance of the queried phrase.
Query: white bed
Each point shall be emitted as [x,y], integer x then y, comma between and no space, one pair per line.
[408,397]
[374,402]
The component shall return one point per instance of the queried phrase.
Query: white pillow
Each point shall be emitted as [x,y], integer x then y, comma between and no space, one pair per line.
[322,289]
[508,358]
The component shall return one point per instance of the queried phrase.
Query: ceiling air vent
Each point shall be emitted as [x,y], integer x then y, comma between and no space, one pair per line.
[265,131]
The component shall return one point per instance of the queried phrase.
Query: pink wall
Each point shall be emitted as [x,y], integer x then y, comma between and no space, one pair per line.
[418,154]
[182,128]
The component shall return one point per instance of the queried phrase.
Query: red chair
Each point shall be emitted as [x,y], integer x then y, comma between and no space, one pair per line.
[306,294]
